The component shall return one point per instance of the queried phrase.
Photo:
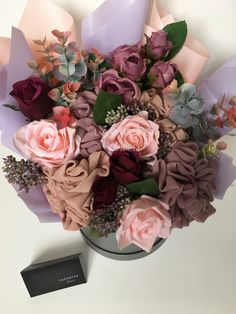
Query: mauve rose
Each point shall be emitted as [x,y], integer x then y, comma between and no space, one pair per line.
[32,97]
[127,59]
[142,222]
[111,82]
[162,74]
[158,44]
[104,190]
[125,166]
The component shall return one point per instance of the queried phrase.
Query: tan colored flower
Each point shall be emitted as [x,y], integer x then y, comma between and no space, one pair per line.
[68,188]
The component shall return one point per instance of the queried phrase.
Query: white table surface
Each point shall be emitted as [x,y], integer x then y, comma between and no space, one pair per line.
[194,272]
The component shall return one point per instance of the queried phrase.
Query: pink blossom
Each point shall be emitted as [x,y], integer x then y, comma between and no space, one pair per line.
[133,133]
[42,142]
[142,222]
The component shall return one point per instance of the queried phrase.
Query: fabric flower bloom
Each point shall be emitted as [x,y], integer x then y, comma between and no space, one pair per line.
[111,82]
[88,131]
[162,74]
[133,133]
[158,45]
[125,166]
[186,183]
[142,222]
[43,143]
[127,60]
[32,98]
[68,188]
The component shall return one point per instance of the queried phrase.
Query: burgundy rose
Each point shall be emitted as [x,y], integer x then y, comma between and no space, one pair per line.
[111,82]
[159,45]
[162,74]
[125,166]
[127,59]
[105,190]
[32,98]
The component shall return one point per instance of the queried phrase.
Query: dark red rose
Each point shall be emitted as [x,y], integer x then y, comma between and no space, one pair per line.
[32,98]
[125,166]
[104,190]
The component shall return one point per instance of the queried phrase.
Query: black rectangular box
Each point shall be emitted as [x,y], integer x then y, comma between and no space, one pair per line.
[53,275]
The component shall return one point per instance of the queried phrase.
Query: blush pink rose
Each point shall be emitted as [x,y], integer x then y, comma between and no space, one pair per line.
[43,143]
[143,222]
[133,133]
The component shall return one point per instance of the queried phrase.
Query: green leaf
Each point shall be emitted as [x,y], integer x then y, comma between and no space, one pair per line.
[13,107]
[146,187]
[95,234]
[179,78]
[105,102]
[176,33]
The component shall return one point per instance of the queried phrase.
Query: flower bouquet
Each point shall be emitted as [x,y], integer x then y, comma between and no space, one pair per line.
[115,137]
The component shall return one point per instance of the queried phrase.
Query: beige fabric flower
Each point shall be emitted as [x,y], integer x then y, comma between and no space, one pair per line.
[68,188]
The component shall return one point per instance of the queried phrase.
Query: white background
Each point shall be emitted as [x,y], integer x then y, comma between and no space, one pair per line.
[194,272]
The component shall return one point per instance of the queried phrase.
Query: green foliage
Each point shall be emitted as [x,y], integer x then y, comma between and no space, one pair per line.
[144,187]
[176,33]
[105,102]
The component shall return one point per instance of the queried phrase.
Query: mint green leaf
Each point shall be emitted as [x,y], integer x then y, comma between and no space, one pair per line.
[105,102]
[58,48]
[176,33]
[146,187]
[13,107]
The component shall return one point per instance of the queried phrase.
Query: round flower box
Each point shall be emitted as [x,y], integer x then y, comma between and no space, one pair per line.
[107,246]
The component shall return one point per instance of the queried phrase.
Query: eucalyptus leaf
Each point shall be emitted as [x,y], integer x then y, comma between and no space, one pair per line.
[145,187]
[58,48]
[176,33]
[105,102]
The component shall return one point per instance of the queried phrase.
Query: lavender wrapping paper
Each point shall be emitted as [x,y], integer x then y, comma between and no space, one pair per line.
[113,24]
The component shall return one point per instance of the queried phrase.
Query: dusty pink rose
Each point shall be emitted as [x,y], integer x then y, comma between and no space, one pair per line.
[127,60]
[162,74]
[111,82]
[42,142]
[133,133]
[142,222]
[159,45]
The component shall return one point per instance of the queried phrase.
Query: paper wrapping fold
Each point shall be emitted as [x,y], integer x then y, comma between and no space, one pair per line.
[192,57]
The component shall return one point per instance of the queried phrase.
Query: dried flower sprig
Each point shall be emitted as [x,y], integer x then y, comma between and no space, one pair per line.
[117,115]
[24,173]
[106,220]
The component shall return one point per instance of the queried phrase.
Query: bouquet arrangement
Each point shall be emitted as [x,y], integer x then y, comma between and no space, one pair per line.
[121,141]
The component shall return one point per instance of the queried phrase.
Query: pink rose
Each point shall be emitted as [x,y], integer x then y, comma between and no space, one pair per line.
[133,133]
[159,45]
[111,82]
[142,222]
[162,74]
[127,60]
[42,142]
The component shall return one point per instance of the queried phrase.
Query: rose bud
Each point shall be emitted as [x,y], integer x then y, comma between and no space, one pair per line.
[127,60]
[162,74]
[32,98]
[158,45]
[105,190]
[125,166]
